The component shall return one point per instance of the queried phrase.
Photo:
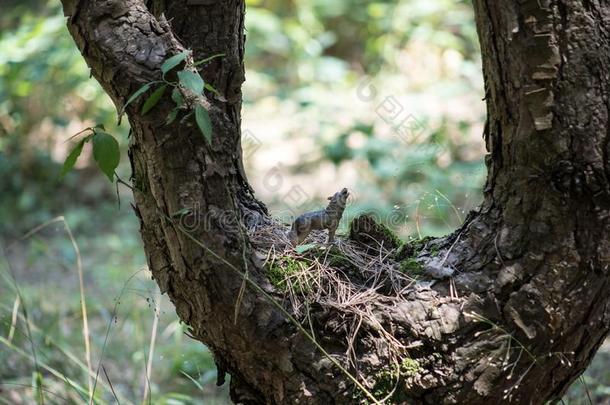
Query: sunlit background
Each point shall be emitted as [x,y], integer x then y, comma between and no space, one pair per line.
[382,97]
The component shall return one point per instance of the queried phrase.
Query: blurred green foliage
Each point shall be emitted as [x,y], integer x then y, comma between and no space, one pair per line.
[308,63]
[294,43]
[45,96]
[311,58]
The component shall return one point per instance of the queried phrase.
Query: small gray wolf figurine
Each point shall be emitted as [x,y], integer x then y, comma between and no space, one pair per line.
[323,219]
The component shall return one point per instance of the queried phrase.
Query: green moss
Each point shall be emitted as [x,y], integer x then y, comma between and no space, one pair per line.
[339,261]
[409,367]
[412,249]
[384,384]
[282,269]
[385,380]
[336,258]
[390,236]
[412,267]
[332,256]
[366,230]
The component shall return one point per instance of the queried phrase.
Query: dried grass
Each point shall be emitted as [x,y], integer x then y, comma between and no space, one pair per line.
[346,281]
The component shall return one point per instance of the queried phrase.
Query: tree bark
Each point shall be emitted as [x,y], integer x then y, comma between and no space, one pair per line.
[528,304]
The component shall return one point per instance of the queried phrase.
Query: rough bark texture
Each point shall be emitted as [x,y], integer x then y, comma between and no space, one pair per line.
[532,276]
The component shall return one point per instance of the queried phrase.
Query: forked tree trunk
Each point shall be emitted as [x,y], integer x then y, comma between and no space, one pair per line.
[530,303]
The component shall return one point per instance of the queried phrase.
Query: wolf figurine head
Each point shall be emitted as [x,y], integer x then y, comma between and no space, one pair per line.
[339,198]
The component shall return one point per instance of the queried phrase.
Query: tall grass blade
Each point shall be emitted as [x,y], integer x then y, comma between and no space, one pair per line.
[15,314]
[83,306]
[151,348]
[116,398]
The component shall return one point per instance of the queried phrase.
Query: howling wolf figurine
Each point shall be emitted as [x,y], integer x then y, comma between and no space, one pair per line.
[323,219]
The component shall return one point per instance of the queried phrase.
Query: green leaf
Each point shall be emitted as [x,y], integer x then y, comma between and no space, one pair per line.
[191,81]
[209,58]
[106,153]
[135,95]
[209,87]
[153,99]
[172,62]
[177,97]
[72,156]
[171,116]
[92,129]
[304,248]
[203,122]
